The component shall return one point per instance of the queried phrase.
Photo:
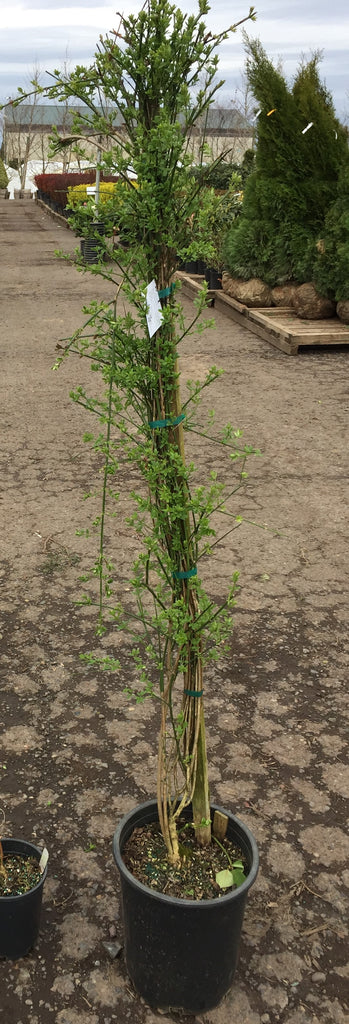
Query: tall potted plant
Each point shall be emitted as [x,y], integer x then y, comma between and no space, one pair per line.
[159,69]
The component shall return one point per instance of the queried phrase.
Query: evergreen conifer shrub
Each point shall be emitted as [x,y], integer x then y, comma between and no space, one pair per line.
[287,196]
[331,265]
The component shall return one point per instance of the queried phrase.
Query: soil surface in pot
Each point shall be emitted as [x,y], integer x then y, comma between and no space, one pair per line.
[18,874]
[145,856]
[76,753]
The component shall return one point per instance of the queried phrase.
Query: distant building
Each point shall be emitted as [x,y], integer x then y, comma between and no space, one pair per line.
[226,131]
[27,129]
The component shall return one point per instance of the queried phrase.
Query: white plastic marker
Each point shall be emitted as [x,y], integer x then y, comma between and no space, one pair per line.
[43,860]
[154,313]
[256,115]
[306,129]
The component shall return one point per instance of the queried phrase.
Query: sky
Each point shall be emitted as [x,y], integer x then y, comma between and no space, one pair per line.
[48,33]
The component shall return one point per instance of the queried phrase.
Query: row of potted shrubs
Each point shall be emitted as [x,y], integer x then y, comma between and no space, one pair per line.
[58,190]
[53,189]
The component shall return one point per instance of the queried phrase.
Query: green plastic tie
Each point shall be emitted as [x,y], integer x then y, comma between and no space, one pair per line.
[163,294]
[185,574]
[193,693]
[170,422]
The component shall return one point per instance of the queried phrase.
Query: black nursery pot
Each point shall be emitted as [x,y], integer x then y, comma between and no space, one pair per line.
[20,915]
[213,278]
[98,226]
[181,953]
[90,249]
[191,267]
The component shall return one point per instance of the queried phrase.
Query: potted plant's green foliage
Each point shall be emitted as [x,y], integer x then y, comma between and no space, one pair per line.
[159,69]
[86,220]
[301,147]
[23,870]
[84,211]
[228,207]
[94,219]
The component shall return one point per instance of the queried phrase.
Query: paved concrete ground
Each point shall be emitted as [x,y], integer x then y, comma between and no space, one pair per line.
[76,753]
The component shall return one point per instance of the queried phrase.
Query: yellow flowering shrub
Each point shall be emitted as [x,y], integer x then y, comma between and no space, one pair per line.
[78,193]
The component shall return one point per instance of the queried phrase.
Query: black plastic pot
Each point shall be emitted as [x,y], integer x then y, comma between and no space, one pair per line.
[20,915]
[181,953]
[98,226]
[91,247]
[213,278]
[201,267]
[90,250]
[191,267]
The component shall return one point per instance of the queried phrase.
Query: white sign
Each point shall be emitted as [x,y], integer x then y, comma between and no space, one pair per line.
[91,190]
[43,860]
[306,129]
[154,311]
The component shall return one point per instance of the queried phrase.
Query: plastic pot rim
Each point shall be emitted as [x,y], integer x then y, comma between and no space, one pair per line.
[35,849]
[176,900]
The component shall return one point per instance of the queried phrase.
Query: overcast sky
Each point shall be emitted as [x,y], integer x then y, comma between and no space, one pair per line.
[47,33]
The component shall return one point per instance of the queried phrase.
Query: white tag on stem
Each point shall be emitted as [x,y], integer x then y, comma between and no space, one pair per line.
[154,312]
[43,860]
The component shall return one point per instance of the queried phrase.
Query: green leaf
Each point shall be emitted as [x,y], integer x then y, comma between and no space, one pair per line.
[239,876]
[225,879]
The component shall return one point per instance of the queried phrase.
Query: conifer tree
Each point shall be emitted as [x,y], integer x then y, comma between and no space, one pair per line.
[331,266]
[296,173]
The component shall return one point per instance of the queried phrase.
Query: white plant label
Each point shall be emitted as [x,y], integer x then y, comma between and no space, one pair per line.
[154,312]
[43,860]
[306,129]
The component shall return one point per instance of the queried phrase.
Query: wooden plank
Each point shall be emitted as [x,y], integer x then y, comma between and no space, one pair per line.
[272,310]
[276,327]
[192,284]
[306,332]
[235,311]
[287,345]
[230,306]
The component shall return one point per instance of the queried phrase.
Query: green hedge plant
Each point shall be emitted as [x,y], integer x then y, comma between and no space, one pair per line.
[289,192]
[331,264]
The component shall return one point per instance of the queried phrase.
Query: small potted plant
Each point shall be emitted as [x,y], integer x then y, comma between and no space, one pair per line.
[226,208]
[86,220]
[159,68]
[23,870]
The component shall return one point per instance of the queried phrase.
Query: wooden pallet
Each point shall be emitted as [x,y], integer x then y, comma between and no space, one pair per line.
[192,284]
[277,325]
[280,327]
